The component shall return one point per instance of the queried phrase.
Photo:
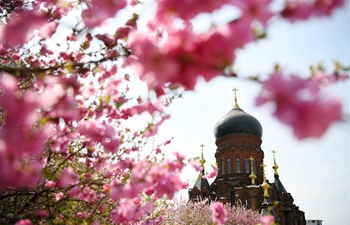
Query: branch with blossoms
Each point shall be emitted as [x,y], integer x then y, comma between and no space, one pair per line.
[71,148]
[299,102]
[88,156]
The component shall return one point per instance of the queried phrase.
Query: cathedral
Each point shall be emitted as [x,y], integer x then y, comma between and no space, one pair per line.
[241,177]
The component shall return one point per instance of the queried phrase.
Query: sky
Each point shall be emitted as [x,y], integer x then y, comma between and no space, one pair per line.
[314,171]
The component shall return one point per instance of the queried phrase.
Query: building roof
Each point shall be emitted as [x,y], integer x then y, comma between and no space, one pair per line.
[237,121]
[279,186]
[201,182]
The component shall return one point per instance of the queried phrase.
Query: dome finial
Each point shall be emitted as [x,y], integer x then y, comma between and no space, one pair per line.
[265,186]
[236,104]
[202,160]
[252,176]
[275,166]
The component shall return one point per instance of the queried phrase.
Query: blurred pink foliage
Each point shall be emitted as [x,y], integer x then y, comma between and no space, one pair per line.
[299,104]
[67,113]
[267,220]
[219,214]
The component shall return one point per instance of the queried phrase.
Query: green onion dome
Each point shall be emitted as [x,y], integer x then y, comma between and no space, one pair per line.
[237,121]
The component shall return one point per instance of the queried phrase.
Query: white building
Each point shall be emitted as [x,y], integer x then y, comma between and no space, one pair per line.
[314,222]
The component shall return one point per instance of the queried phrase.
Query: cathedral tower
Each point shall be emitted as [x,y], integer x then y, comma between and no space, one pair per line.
[241,179]
[238,156]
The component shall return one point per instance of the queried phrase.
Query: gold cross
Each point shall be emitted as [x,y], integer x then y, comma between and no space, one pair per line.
[202,160]
[251,158]
[273,152]
[236,104]
[235,90]
[275,166]
[263,168]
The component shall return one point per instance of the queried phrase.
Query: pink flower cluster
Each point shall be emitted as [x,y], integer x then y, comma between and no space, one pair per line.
[267,220]
[179,56]
[103,133]
[212,174]
[130,210]
[67,177]
[184,212]
[22,138]
[299,104]
[24,21]
[30,117]
[219,214]
[100,10]
[302,10]
[156,180]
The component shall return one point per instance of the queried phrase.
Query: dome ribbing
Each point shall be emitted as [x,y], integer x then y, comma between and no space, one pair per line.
[237,121]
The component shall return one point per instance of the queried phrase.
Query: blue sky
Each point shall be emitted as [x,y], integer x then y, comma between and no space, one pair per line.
[314,171]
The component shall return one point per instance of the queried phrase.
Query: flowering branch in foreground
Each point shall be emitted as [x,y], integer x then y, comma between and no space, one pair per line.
[72,147]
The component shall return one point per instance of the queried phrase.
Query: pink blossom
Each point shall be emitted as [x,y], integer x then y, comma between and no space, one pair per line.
[298,103]
[167,183]
[185,210]
[255,10]
[158,150]
[212,174]
[87,194]
[123,32]
[235,35]
[219,214]
[61,100]
[179,156]
[186,10]
[23,222]
[302,10]
[152,129]
[150,191]
[322,78]
[127,211]
[19,142]
[67,177]
[50,184]
[100,132]
[21,25]
[267,220]
[101,162]
[80,215]
[100,10]
[59,196]
[196,166]
[146,107]
[151,61]
[75,191]
[182,56]
[42,213]
[106,39]
[297,10]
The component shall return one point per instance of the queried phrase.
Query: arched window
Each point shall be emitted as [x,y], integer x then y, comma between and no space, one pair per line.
[228,165]
[254,166]
[238,165]
[247,166]
[222,167]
